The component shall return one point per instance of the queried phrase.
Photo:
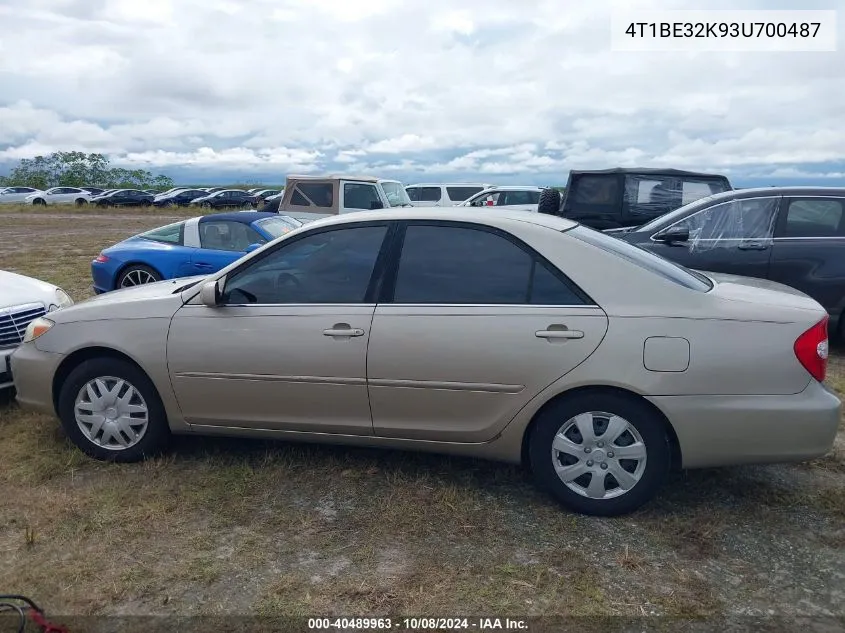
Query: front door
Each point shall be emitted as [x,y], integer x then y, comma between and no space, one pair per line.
[287,348]
[477,325]
[734,237]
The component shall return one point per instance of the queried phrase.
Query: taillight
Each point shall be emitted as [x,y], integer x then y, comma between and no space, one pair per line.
[811,349]
[102,259]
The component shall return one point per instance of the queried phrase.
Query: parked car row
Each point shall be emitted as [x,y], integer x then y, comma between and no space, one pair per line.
[177,196]
[506,335]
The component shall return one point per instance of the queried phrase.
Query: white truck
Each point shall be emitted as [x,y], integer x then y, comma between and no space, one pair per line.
[308,198]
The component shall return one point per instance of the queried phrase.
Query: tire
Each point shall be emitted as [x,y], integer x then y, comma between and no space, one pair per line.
[137,275]
[80,202]
[39,202]
[550,200]
[205,205]
[144,436]
[646,474]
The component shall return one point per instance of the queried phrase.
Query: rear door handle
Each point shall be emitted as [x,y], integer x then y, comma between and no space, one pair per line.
[343,330]
[550,334]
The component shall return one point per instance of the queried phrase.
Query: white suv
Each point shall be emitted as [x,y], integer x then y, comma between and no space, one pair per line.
[443,195]
[22,300]
[522,198]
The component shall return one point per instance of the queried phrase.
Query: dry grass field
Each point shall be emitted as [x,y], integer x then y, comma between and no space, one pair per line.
[231,527]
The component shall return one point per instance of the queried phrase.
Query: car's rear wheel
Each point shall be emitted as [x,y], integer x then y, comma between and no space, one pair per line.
[549,202]
[137,275]
[39,201]
[205,205]
[111,410]
[600,453]
[80,202]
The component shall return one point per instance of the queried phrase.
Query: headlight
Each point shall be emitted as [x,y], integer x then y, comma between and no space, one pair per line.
[36,328]
[62,301]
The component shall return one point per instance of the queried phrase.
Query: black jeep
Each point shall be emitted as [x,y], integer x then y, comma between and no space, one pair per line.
[617,198]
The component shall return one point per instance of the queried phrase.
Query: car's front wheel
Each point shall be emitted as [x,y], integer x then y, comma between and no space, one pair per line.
[80,202]
[600,453]
[111,410]
[137,275]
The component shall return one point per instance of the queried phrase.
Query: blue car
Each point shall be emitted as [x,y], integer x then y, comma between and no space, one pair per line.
[199,246]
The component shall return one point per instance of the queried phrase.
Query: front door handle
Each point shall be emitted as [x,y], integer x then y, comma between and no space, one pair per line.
[343,330]
[559,334]
[753,245]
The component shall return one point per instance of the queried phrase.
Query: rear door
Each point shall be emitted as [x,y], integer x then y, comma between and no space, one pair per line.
[809,249]
[471,326]
[734,237]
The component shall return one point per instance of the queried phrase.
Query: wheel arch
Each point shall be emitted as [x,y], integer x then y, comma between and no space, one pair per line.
[76,358]
[130,263]
[674,444]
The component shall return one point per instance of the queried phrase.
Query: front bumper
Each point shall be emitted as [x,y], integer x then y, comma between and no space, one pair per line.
[730,430]
[33,371]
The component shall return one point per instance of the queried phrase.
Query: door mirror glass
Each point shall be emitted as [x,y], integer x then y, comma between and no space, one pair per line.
[673,234]
[210,294]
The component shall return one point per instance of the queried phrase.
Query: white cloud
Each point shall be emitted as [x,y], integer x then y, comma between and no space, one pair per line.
[525,89]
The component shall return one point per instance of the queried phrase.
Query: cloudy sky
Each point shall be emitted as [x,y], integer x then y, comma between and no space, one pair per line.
[493,90]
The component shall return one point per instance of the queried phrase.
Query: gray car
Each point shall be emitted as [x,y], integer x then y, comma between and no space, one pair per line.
[512,336]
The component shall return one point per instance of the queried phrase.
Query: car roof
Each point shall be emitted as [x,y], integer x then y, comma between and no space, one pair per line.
[798,190]
[512,188]
[245,217]
[646,171]
[450,184]
[334,177]
[454,214]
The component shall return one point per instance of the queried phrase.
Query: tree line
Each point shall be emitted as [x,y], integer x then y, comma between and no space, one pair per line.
[77,169]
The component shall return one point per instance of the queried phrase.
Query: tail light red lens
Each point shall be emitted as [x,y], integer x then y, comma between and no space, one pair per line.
[101,258]
[811,350]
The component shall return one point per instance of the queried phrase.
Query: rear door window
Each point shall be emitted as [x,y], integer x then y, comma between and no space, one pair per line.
[459,194]
[651,195]
[813,217]
[430,194]
[594,189]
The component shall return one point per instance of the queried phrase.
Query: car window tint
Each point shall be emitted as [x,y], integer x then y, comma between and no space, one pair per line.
[547,288]
[224,235]
[360,196]
[459,194]
[430,194]
[813,218]
[594,189]
[170,234]
[327,267]
[457,265]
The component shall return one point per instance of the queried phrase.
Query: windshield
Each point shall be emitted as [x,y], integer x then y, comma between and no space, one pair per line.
[644,259]
[278,226]
[396,194]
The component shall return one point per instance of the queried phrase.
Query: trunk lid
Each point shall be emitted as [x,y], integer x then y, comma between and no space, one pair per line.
[762,292]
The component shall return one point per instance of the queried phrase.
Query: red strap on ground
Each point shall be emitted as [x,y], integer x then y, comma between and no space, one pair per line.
[46,626]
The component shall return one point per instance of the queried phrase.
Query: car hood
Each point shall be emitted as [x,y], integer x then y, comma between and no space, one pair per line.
[17,289]
[156,300]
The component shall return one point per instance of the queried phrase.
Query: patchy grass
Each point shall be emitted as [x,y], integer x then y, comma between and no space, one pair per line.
[220,526]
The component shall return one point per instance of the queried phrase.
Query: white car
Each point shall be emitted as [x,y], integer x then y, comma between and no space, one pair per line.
[16,195]
[443,194]
[22,300]
[60,195]
[512,197]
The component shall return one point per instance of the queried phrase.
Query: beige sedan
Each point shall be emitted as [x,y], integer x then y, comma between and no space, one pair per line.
[511,336]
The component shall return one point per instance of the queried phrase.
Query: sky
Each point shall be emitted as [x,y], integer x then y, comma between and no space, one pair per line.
[494,91]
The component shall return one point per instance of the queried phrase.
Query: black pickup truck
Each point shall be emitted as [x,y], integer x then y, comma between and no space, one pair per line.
[623,197]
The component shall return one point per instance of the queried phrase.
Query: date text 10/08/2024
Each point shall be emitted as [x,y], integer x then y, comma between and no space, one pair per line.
[417,624]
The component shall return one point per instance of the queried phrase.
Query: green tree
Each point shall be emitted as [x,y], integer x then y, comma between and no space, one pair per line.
[76,169]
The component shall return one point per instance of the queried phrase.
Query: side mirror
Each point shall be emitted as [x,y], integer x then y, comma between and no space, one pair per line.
[210,294]
[673,234]
[252,247]
[376,204]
